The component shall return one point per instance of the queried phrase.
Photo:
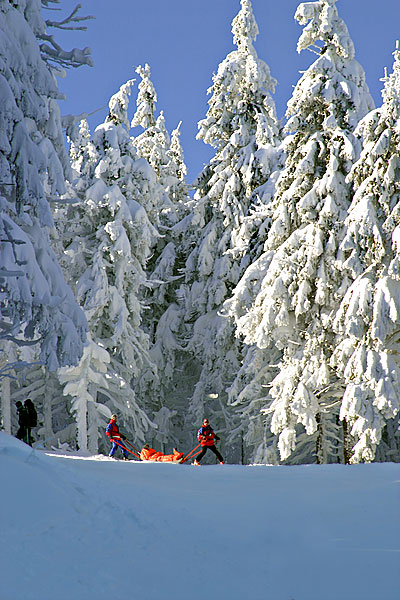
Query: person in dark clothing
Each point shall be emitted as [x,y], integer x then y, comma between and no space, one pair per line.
[23,419]
[31,418]
[207,439]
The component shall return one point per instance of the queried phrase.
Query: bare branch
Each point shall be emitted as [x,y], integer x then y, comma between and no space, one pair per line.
[53,54]
[71,19]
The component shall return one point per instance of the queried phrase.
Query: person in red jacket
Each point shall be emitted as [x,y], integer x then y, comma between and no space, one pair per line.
[152,455]
[112,431]
[207,439]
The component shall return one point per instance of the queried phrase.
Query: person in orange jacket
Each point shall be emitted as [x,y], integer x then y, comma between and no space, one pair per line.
[207,439]
[152,455]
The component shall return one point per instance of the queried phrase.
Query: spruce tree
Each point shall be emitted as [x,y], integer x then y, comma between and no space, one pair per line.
[164,308]
[368,317]
[36,304]
[108,239]
[296,283]
[37,307]
[240,120]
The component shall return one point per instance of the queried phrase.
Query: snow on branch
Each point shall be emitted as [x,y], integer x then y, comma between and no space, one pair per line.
[19,365]
[74,58]
[73,18]
[52,53]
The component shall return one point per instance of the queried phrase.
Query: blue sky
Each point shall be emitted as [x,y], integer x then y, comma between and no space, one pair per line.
[183,41]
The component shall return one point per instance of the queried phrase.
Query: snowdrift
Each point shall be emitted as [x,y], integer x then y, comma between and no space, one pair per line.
[94,529]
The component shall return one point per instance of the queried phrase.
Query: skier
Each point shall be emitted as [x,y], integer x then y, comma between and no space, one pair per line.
[207,439]
[23,418]
[31,418]
[115,436]
[152,455]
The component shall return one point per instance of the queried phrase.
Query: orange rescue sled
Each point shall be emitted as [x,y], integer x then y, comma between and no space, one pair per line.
[152,455]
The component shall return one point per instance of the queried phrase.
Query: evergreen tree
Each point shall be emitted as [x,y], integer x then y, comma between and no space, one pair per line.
[108,239]
[293,287]
[153,143]
[367,320]
[241,120]
[36,304]
[164,307]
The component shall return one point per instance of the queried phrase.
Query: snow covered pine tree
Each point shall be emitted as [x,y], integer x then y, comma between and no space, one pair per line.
[112,227]
[296,282]
[36,305]
[240,121]
[164,310]
[367,321]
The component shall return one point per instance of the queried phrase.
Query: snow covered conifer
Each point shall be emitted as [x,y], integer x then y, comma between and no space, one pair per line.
[108,241]
[178,190]
[296,282]
[241,118]
[155,145]
[368,317]
[35,302]
[164,310]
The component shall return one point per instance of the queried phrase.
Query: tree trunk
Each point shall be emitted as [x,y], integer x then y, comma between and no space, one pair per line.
[347,445]
[6,405]
[6,356]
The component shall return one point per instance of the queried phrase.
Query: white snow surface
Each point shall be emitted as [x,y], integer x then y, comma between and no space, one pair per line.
[93,528]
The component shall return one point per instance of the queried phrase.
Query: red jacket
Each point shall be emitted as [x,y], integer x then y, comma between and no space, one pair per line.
[112,430]
[206,436]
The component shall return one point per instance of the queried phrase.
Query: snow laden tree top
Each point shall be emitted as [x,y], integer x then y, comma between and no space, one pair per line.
[287,295]
[36,304]
[154,144]
[118,105]
[146,100]
[241,90]
[335,76]
[245,28]
[322,23]
[367,322]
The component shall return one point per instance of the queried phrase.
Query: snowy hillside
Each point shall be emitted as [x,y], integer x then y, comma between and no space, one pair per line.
[94,529]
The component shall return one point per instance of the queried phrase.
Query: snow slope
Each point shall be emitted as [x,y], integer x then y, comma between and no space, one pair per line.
[94,529]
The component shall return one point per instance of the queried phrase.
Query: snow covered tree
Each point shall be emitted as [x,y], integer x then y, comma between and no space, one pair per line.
[154,144]
[108,239]
[36,305]
[164,308]
[285,299]
[241,125]
[367,322]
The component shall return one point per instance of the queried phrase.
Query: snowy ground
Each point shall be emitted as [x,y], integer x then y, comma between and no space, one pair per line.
[92,529]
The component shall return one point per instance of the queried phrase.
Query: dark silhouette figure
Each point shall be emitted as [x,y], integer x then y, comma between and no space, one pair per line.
[32,419]
[22,433]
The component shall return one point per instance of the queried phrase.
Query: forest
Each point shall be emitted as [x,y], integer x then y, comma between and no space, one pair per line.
[265,295]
